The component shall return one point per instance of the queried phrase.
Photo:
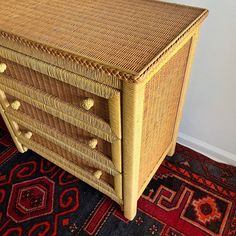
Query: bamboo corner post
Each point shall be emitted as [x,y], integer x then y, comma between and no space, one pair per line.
[133,104]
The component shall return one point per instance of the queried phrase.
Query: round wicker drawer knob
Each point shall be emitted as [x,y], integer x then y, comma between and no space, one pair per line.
[15,105]
[93,143]
[28,135]
[3,67]
[97,174]
[87,103]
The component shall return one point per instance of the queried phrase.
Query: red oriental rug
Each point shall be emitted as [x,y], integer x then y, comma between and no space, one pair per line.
[189,195]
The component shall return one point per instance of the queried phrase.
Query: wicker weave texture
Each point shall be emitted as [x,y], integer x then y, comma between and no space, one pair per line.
[67,155]
[82,171]
[65,92]
[122,37]
[62,126]
[162,97]
[57,107]
[132,59]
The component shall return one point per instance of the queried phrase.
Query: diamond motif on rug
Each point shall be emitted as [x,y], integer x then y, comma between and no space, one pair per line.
[206,210]
[31,199]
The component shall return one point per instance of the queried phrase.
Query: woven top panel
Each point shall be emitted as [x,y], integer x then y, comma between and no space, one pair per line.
[123,35]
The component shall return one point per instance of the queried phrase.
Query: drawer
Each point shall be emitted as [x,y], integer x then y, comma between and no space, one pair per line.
[34,116]
[96,106]
[84,170]
[61,109]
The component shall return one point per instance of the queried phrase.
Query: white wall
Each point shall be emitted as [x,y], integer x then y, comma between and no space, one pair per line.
[209,119]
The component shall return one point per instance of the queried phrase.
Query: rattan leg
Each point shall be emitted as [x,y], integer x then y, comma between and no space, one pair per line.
[172,149]
[133,100]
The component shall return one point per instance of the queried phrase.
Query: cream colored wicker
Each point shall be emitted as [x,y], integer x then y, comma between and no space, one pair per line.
[97,87]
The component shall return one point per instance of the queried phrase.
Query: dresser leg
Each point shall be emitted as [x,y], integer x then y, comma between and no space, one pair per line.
[172,150]
[130,211]
[11,131]
[133,104]
[10,126]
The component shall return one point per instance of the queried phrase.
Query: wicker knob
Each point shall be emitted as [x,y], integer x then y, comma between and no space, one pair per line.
[3,67]
[87,103]
[97,174]
[28,135]
[93,143]
[15,105]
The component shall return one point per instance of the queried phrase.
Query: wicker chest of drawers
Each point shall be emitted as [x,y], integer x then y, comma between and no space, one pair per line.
[97,87]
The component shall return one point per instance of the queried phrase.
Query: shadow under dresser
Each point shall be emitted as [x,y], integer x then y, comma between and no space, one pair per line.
[97,87]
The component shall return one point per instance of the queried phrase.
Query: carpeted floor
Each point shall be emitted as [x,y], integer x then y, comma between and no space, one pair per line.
[189,195]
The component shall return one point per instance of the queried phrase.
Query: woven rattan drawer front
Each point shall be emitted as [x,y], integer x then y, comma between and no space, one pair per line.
[64,110]
[34,115]
[64,91]
[85,171]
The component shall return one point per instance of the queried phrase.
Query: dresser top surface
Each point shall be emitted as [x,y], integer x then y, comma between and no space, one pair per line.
[124,35]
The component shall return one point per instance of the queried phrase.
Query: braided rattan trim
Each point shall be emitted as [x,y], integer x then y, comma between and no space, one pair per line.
[92,157]
[64,64]
[87,63]
[54,106]
[67,56]
[59,74]
[70,167]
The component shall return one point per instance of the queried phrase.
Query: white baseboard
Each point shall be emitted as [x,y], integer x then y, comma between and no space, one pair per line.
[206,149]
